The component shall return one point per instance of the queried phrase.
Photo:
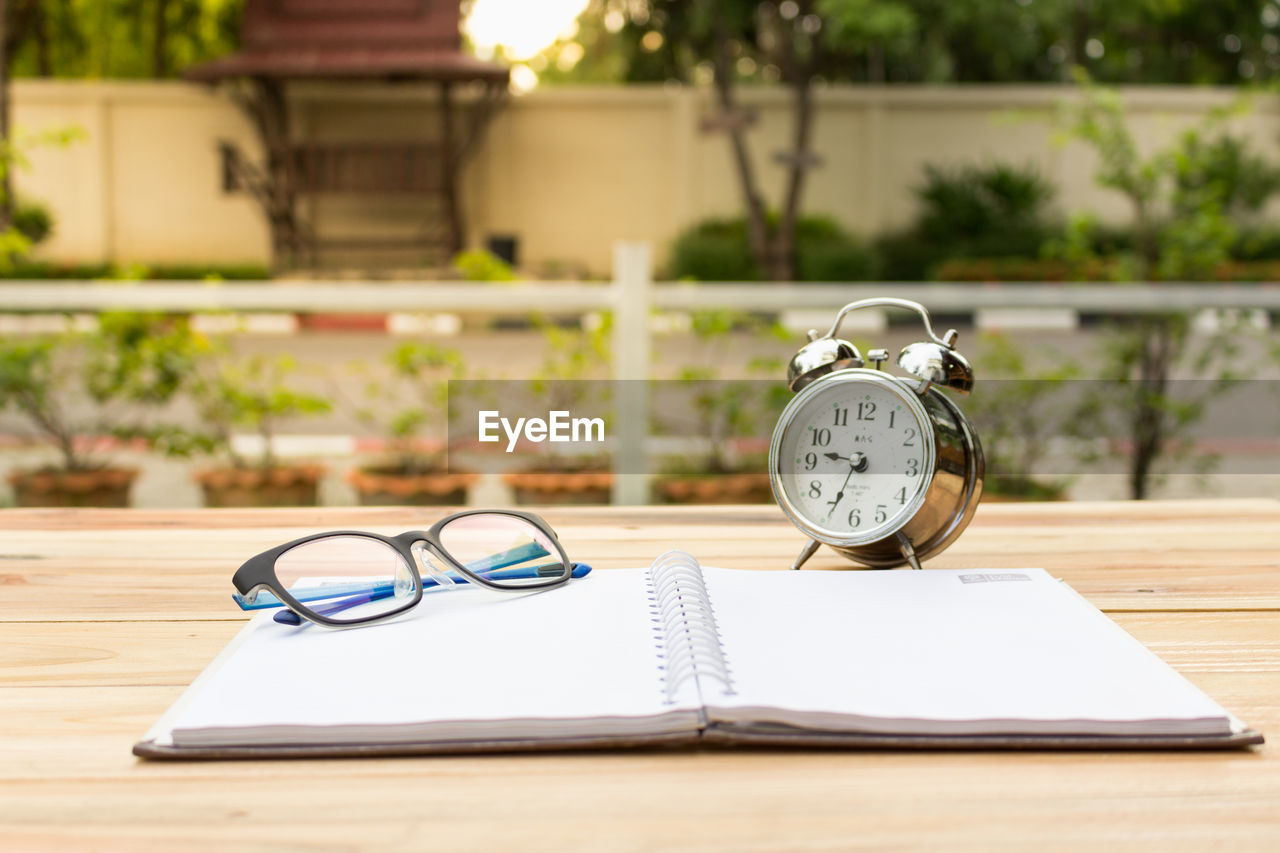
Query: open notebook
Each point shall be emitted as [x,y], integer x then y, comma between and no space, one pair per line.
[680,653]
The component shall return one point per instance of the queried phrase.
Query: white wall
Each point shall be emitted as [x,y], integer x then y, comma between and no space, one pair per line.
[569,171]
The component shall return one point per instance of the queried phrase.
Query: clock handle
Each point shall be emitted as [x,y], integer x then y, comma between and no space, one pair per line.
[892,302]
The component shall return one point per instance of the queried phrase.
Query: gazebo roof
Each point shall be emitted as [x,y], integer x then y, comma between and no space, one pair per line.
[351,39]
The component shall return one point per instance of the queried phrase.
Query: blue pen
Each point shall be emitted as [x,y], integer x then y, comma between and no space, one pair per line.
[358,594]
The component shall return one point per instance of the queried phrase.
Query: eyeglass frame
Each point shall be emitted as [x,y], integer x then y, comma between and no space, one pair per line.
[258,572]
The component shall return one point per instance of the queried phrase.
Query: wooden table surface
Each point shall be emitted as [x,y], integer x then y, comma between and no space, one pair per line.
[105,616]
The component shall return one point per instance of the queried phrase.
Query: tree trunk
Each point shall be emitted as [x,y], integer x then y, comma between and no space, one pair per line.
[875,64]
[160,30]
[1156,350]
[782,249]
[757,225]
[6,160]
[44,47]
[797,71]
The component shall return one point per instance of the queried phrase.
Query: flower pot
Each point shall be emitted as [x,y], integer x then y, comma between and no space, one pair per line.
[107,487]
[749,488]
[260,487]
[388,487]
[561,488]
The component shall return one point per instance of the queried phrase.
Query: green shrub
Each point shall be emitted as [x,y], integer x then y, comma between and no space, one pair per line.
[1109,240]
[204,272]
[714,250]
[168,272]
[835,262]
[906,256]
[33,220]
[1252,243]
[480,265]
[717,250]
[1261,243]
[982,203]
[826,252]
[1225,167]
[973,211]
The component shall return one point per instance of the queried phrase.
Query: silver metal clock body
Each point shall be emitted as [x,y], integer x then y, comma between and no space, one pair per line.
[884,469]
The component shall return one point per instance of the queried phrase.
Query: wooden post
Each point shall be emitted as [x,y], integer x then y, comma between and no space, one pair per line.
[632,299]
[449,170]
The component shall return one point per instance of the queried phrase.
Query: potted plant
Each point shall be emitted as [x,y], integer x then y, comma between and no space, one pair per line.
[414,401]
[82,392]
[562,383]
[730,418]
[250,394]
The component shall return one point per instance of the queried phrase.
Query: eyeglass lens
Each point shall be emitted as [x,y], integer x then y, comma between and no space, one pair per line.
[504,549]
[346,578]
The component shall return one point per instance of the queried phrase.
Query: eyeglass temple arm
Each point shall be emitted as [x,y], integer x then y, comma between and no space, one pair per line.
[481,565]
[363,593]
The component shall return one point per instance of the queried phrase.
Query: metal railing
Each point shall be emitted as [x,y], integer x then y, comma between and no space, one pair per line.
[631,296]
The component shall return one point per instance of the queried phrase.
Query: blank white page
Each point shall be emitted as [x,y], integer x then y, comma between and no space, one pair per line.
[574,660]
[939,651]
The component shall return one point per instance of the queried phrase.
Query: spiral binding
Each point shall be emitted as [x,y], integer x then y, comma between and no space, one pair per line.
[685,630]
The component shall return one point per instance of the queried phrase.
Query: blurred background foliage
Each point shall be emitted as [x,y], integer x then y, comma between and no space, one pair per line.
[1217,42]
[894,41]
[994,221]
[716,250]
[96,39]
[975,221]
[987,210]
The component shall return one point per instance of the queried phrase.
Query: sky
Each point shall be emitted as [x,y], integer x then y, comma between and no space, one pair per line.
[522,27]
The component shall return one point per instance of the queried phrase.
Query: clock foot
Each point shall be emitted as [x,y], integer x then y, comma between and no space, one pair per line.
[908,551]
[805,553]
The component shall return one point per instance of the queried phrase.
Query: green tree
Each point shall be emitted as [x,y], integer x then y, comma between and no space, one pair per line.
[728,43]
[76,388]
[120,38]
[1181,231]
[968,41]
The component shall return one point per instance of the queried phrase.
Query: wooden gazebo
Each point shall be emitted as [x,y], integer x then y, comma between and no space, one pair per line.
[356,41]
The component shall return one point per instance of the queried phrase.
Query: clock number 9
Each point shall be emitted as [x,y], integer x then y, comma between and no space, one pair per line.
[810,460]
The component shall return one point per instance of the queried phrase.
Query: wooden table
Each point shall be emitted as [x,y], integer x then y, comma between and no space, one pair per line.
[105,616]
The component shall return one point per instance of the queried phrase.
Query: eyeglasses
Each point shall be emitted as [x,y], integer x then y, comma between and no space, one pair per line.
[347,577]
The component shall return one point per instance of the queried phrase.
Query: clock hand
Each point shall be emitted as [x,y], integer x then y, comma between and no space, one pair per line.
[857,460]
[839,494]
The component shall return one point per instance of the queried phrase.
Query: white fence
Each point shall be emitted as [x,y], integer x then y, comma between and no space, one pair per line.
[631,296]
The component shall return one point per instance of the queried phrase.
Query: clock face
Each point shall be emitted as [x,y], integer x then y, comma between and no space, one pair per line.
[855,456]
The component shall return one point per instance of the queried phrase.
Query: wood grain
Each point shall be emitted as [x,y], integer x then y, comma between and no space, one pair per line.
[106,615]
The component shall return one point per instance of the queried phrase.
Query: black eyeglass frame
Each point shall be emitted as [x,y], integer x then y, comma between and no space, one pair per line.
[259,571]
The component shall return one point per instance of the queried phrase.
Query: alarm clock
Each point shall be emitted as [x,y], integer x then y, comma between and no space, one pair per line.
[883,468]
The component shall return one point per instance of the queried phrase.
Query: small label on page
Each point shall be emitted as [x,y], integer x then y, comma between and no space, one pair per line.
[988,577]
